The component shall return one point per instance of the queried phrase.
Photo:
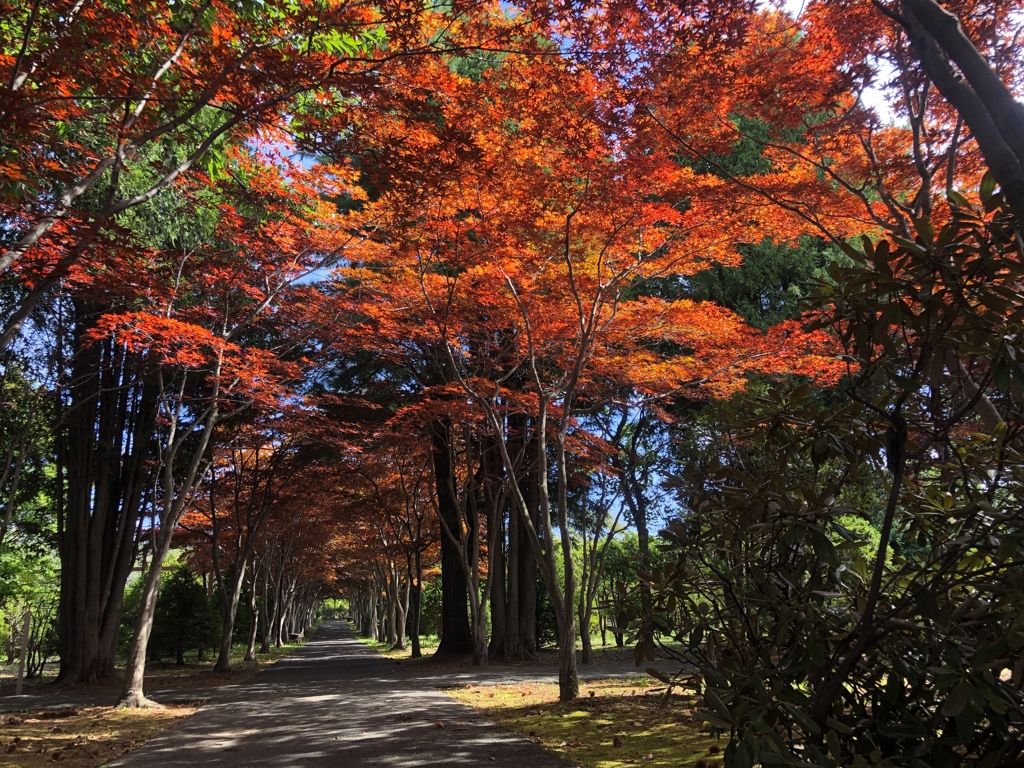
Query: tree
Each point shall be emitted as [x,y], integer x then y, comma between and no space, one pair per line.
[25,432]
[890,657]
[523,253]
[391,482]
[251,464]
[593,497]
[205,344]
[97,92]
[878,651]
[183,619]
[979,95]
[109,400]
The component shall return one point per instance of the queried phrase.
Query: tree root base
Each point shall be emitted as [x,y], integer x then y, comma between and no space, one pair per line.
[138,700]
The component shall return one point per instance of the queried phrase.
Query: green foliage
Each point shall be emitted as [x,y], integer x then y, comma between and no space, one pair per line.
[823,633]
[186,619]
[430,615]
[243,615]
[546,618]
[27,475]
[474,66]
[619,593]
[29,579]
[770,285]
[746,157]
[129,614]
[29,570]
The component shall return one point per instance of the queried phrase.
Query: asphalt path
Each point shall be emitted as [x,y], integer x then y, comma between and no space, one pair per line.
[336,702]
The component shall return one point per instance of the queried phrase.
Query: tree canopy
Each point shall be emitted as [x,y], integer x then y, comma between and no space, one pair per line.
[693,321]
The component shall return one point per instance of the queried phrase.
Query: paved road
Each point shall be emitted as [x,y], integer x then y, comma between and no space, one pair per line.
[335,702]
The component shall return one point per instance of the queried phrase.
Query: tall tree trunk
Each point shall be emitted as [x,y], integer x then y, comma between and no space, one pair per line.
[175,491]
[989,108]
[643,539]
[250,648]
[266,620]
[496,575]
[369,613]
[286,598]
[415,600]
[479,619]
[568,681]
[528,576]
[585,612]
[372,628]
[133,694]
[456,633]
[521,563]
[392,614]
[228,614]
[276,616]
[402,610]
[513,641]
[105,451]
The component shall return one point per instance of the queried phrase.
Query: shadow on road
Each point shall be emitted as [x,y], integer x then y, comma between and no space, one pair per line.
[335,702]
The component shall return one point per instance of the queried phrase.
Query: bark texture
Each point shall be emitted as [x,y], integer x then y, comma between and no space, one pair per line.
[106,453]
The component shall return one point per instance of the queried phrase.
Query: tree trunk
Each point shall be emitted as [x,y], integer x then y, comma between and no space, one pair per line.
[287,598]
[479,634]
[132,694]
[989,108]
[456,633]
[371,619]
[415,600]
[105,451]
[568,681]
[369,614]
[496,575]
[402,608]
[587,656]
[513,640]
[643,538]
[176,491]
[392,613]
[230,611]
[250,648]
[265,616]
[528,578]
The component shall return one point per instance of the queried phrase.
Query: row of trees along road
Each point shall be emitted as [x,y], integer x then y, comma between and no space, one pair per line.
[335,293]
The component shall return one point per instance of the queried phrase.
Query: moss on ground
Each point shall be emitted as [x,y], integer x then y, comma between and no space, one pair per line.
[614,723]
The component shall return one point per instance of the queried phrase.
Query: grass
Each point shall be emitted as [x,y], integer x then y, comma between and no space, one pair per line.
[614,723]
[428,645]
[80,737]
